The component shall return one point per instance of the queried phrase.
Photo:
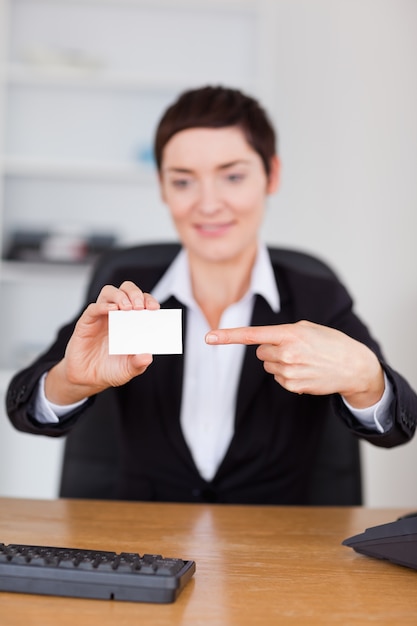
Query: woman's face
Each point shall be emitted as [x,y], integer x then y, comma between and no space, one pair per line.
[215,186]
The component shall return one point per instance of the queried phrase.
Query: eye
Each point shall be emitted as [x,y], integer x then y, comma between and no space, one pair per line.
[180,183]
[235,177]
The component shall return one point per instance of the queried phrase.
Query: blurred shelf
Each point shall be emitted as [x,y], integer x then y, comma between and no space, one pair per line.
[78,170]
[22,272]
[91,77]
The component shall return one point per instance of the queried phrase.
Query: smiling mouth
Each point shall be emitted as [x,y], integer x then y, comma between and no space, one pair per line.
[213,229]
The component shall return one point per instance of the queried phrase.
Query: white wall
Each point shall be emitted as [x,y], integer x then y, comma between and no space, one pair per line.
[346,106]
[342,90]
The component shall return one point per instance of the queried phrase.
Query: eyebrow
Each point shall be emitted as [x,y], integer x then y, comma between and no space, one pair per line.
[177,170]
[223,166]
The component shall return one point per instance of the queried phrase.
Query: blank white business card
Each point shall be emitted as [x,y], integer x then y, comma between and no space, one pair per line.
[145,332]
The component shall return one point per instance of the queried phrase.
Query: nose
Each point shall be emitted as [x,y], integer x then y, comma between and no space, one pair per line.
[209,198]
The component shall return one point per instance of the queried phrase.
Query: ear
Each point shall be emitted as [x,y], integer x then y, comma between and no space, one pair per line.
[274,175]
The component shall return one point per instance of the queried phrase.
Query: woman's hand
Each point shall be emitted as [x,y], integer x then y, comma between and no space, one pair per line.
[87,368]
[310,358]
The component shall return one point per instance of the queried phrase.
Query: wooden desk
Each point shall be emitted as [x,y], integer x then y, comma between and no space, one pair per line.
[255,565]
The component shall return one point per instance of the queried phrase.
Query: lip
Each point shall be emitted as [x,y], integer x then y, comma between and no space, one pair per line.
[213,230]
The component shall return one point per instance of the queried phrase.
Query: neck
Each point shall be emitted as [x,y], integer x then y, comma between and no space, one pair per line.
[217,285]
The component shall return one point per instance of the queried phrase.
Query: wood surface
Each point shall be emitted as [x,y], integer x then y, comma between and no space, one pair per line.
[255,565]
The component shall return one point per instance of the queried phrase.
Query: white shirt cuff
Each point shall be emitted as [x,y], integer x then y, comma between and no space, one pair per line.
[46,412]
[376,417]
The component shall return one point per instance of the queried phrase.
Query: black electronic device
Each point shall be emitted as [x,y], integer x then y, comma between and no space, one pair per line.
[92,573]
[395,541]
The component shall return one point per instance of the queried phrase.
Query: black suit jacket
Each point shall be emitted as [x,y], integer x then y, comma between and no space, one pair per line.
[277,433]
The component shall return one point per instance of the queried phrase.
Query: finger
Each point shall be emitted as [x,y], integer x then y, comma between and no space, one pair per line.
[140,362]
[248,335]
[150,302]
[94,311]
[111,295]
[139,299]
[127,297]
[133,295]
[293,379]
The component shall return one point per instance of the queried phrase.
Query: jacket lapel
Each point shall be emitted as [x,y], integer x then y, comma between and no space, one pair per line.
[253,372]
[169,392]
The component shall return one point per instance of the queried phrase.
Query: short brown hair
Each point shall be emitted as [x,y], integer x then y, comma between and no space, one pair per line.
[218,107]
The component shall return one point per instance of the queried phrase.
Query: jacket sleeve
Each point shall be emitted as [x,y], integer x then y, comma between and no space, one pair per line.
[22,390]
[338,313]
[403,412]
[143,265]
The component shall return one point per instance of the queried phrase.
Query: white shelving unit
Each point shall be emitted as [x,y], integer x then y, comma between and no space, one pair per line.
[82,86]
[83,83]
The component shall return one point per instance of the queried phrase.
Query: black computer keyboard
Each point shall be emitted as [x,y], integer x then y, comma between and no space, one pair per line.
[92,573]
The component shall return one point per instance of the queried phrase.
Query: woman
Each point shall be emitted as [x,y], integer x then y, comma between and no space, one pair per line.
[239,423]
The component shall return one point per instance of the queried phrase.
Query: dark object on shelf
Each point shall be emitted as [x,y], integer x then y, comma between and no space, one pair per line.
[57,246]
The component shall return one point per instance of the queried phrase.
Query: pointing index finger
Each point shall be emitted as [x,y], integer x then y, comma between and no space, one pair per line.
[248,335]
